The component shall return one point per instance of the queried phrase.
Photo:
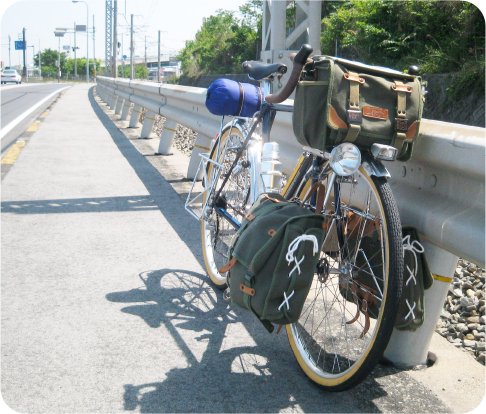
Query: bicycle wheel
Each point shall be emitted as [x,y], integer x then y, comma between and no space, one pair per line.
[349,314]
[217,232]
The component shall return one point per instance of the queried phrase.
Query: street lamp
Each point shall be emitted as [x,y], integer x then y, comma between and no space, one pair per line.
[59,32]
[87,37]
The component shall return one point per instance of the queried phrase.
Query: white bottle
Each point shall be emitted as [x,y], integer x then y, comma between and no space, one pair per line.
[270,169]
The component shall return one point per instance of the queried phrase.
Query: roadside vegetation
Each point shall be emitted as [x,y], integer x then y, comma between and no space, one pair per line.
[49,58]
[439,36]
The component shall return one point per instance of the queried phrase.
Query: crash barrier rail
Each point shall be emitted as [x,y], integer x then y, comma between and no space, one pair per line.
[440,191]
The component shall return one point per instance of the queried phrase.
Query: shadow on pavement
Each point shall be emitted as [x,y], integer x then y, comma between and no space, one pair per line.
[80,205]
[225,377]
[161,192]
[224,373]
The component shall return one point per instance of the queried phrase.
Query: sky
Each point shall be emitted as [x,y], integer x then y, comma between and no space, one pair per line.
[178,21]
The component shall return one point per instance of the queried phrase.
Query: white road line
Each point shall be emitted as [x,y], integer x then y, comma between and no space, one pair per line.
[5,130]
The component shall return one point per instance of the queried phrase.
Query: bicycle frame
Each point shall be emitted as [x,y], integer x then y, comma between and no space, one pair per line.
[252,144]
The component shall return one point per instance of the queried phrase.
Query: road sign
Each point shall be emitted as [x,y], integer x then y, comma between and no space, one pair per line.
[19,45]
[124,56]
[66,47]
[80,27]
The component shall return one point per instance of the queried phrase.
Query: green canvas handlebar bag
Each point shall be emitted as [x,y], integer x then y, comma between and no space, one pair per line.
[338,100]
[273,258]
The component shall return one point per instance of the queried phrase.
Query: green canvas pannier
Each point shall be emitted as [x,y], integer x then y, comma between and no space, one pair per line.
[416,277]
[273,258]
[338,100]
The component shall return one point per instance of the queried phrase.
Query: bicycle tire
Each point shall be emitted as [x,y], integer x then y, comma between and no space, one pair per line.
[216,232]
[326,341]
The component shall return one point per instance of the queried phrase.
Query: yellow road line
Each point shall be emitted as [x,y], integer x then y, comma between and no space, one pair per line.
[170,129]
[442,278]
[33,127]
[13,152]
[45,113]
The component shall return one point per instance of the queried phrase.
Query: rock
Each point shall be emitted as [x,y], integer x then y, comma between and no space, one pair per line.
[478,336]
[472,268]
[461,327]
[469,343]
[469,337]
[457,292]
[472,326]
[466,301]
[481,358]
[482,319]
[480,346]
[470,293]
[473,319]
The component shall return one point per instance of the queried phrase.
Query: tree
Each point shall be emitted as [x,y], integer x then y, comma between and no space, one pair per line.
[49,59]
[439,35]
[224,42]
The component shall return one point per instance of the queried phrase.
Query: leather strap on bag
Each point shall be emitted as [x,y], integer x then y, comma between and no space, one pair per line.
[242,99]
[354,114]
[401,121]
[321,191]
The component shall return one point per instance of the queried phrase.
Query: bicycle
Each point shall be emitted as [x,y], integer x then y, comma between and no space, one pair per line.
[345,324]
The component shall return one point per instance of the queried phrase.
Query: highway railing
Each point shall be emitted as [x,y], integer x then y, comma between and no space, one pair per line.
[440,191]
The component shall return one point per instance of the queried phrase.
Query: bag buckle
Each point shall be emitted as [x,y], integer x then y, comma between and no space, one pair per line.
[401,124]
[354,117]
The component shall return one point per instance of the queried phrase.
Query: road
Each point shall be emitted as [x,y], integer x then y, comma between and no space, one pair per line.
[106,306]
[20,107]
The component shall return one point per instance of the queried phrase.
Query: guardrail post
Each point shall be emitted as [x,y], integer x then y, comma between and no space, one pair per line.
[148,124]
[135,117]
[126,110]
[113,101]
[407,349]
[202,145]
[119,105]
[167,137]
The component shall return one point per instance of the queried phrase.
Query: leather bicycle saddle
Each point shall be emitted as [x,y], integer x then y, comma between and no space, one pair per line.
[258,70]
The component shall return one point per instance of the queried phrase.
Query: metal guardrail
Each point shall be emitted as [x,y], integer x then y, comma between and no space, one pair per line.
[440,191]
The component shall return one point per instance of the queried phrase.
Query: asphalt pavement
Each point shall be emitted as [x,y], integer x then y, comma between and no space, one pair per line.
[106,306]
[21,104]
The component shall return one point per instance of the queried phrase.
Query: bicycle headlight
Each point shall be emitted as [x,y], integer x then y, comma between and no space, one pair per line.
[345,159]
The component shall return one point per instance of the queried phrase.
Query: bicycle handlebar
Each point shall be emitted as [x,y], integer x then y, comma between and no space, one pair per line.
[300,59]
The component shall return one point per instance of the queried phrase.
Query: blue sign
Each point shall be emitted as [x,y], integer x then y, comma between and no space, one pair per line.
[19,45]
[124,56]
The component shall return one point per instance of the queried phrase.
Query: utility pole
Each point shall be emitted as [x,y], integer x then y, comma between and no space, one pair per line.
[158,71]
[9,60]
[145,51]
[131,48]
[115,40]
[40,63]
[24,72]
[108,37]
[94,54]
[75,61]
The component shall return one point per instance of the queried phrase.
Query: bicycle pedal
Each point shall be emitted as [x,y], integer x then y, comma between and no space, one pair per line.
[227,295]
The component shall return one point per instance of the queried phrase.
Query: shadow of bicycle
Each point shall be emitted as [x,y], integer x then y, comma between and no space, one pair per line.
[241,368]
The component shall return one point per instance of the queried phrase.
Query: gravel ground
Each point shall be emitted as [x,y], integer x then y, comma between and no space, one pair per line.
[184,138]
[462,320]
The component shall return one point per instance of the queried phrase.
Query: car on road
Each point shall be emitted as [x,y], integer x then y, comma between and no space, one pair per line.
[11,75]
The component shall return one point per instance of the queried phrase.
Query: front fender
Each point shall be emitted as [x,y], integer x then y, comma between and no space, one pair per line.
[372,166]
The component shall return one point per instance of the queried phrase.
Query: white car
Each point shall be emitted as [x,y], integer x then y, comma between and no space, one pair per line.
[11,75]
